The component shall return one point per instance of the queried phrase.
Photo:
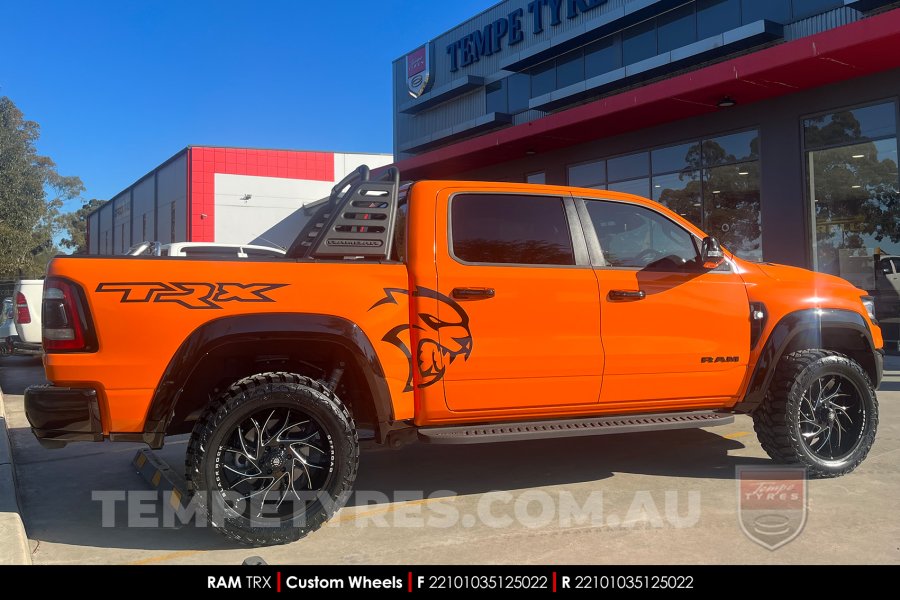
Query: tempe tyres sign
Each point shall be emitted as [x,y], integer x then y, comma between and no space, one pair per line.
[489,40]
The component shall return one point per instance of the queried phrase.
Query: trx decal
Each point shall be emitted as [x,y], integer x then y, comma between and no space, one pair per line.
[429,352]
[193,295]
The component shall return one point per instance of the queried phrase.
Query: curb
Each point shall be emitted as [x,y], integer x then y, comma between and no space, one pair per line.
[15,549]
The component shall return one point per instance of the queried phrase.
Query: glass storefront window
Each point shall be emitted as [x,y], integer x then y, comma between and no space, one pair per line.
[681,193]
[676,28]
[518,92]
[731,204]
[602,56]
[731,148]
[773,10]
[628,167]
[539,177]
[639,187]
[543,79]
[639,42]
[856,207]
[713,183]
[675,158]
[569,69]
[495,97]
[589,174]
[851,125]
[717,16]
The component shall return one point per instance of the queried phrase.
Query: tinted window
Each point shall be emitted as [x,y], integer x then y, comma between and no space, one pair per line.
[628,167]
[717,16]
[639,42]
[543,79]
[501,228]
[495,97]
[588,174]
[852,125]
[569,69]
[539,177]
[680,192]
[676,28]
[519,92]
[773,10]
[639,187]
[602,57]
[637,237]
[675,158]
[731,148]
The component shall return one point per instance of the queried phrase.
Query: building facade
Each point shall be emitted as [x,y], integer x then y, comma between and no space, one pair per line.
[224,195]
[771,124]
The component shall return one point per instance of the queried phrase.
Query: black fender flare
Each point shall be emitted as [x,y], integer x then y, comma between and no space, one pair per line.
[792,325]
[269,326]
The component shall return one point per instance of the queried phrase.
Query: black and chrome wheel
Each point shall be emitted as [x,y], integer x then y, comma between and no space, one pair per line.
[274,459]
[821,412]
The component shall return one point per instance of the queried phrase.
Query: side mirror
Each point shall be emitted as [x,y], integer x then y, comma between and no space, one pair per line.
[711,254]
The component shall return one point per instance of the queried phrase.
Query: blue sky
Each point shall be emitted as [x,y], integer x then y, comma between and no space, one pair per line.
[118,87]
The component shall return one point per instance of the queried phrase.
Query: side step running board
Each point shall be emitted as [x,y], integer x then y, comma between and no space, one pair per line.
[533,430]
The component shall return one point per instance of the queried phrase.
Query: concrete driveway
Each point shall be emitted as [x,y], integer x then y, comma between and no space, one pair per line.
[667,497]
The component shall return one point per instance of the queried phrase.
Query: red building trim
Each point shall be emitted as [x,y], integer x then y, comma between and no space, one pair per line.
[862,48]
[204,162]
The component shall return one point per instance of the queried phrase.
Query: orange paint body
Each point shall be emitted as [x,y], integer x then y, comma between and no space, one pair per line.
[549,343]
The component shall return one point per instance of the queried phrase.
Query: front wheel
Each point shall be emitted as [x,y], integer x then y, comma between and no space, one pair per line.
[273,459]
[820,412]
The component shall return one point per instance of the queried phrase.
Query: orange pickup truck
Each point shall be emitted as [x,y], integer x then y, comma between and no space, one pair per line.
[447,312]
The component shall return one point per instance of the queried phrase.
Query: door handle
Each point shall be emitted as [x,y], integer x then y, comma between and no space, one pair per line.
[627,294]
[472,293]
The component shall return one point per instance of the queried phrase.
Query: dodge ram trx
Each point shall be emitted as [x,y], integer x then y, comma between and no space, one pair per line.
[447,312]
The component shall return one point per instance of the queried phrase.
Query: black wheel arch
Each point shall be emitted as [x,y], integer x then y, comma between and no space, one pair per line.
[836,329]
[280,330]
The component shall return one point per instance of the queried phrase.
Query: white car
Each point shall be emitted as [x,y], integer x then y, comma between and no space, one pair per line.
[27,298]
[206,250]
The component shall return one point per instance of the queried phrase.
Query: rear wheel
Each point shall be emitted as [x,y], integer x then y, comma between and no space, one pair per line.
[820,412]
[273,459]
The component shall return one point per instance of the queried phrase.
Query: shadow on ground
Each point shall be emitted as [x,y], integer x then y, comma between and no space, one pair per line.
[57,485]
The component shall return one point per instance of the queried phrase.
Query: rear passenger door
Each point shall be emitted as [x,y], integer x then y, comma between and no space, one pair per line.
[519,322]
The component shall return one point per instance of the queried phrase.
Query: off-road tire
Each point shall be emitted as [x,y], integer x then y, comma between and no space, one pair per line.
[778,420]
[240,402]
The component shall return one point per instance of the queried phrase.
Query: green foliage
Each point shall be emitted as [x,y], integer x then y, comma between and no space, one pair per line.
[75,224]
[32,193]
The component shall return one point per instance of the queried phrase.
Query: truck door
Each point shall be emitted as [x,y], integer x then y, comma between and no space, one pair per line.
[519,317]
[673,331]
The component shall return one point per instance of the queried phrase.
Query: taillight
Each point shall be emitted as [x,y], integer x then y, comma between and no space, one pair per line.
[23,315]
[65,325]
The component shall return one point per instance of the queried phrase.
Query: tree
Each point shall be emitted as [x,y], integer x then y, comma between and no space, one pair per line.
[75,224]
[31,195]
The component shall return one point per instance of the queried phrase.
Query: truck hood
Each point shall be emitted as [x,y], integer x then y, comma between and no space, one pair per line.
[796,275]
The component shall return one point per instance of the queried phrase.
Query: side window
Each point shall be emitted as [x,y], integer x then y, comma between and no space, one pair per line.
[507,228]
[896,262]
[636,237]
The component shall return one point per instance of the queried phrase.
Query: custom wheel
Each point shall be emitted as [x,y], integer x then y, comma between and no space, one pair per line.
[273,459]
[820,412]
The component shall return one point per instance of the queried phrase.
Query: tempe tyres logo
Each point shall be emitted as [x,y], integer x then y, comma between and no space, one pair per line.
[771,504]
